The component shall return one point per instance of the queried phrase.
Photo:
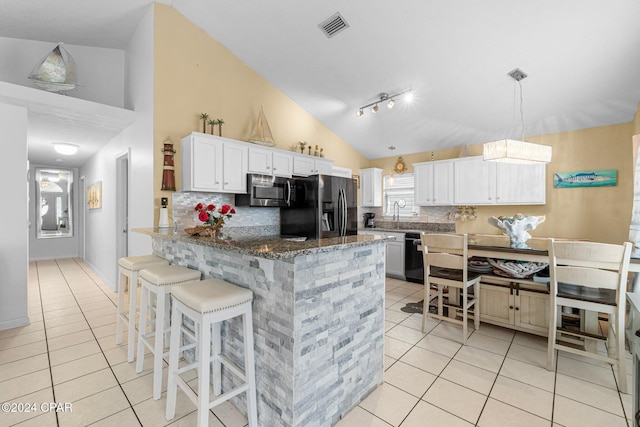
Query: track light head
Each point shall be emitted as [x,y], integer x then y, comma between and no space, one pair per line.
[359,113]
[375,109]
[391,103]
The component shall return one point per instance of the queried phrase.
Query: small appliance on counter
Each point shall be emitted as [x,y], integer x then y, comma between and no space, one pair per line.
[369,220]
[163,222]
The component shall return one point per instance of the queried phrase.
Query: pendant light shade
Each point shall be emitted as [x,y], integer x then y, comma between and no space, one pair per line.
[512,151]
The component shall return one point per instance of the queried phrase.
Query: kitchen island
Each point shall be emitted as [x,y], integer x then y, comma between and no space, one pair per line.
[318,317]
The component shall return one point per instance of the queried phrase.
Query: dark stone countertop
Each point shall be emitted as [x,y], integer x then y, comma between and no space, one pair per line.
[270,247]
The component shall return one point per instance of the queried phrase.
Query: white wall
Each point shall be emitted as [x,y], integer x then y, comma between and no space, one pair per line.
[101,230]
[59,247]
[100,76]
[14,249]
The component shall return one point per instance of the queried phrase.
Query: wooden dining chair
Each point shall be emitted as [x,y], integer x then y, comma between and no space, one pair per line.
[445,266]
[589,276]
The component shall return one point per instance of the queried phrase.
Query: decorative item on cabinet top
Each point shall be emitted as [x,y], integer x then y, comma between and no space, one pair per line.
[262,132]
[55,72]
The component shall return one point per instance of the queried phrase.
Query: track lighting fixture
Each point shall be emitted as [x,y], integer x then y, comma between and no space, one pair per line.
[384,97]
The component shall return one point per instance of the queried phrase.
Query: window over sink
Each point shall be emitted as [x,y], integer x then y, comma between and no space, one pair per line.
[398,188]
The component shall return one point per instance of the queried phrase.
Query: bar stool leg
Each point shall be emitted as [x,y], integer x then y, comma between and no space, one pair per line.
[216,342]
[133,290]
[142,328]
[465,320]
[172,386]
[120,320]
[158,344]
[203,375]
[249,368]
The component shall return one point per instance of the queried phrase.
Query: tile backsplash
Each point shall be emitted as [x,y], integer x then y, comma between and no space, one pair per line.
[255,221]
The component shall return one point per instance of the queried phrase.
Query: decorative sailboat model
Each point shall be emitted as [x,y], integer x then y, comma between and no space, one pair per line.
[56,71]
[262,133]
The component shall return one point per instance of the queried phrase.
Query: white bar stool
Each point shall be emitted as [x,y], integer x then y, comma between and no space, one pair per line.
[129,267]
[208,303]
[158,280]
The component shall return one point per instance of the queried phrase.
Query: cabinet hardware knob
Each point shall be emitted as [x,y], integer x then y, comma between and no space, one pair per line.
[517,308]
[217,182]
[226,183]
[510,307]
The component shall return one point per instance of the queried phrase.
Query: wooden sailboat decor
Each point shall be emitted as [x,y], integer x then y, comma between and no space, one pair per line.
[56,71]
[262,133]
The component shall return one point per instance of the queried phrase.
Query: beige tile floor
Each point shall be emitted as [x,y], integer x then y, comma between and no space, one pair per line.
[68,355]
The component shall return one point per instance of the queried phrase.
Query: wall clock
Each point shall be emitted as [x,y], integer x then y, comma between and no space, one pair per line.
[400,166]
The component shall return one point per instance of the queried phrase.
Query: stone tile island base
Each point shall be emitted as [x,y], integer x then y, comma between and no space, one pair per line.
[318,323]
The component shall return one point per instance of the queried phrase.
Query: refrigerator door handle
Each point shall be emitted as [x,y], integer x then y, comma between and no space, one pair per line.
[343,213]
[288,199]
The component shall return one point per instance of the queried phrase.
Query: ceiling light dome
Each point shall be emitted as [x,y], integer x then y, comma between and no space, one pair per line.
[65,149]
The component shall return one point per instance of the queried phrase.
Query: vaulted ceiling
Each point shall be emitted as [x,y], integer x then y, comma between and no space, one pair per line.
[582,59]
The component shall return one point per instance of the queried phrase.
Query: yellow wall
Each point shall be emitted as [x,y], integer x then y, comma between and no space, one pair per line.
[195,74]
[599,214]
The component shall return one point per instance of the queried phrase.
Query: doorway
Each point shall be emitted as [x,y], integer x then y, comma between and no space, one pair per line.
[122,204]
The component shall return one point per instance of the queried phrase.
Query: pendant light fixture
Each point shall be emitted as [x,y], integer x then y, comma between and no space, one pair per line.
[514,151]
[384,97]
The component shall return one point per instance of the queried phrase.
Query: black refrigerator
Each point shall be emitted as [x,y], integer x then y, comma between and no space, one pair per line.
[325,206]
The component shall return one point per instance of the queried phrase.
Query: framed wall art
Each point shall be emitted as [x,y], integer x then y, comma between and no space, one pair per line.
[94,195]
[593,178]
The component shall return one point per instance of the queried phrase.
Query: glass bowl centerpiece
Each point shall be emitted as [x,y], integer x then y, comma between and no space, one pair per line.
[517,227]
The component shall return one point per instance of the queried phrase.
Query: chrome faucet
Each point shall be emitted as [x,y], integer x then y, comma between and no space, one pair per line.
[396,208]
[396,211]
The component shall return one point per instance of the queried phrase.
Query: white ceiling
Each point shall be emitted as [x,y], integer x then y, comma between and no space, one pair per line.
[582,58]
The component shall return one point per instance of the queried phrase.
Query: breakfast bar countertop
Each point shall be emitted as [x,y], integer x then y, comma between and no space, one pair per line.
[270,247]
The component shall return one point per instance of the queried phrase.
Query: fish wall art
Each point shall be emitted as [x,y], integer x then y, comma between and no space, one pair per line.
[596,178]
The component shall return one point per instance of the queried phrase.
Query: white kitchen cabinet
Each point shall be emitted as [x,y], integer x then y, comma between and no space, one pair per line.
[433,183]
[395,248]
[479,182]
[343,172]
[474,181]
[304,165]
[395,255]
[513,307]
[371,187]
[267,161]
[520,184]
[213,164]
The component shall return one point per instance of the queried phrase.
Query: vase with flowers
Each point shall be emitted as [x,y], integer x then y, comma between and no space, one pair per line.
[212,218]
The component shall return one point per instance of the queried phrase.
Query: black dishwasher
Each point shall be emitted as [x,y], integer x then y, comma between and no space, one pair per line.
[413,262]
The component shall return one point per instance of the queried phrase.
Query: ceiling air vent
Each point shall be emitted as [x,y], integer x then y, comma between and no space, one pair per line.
[333,25]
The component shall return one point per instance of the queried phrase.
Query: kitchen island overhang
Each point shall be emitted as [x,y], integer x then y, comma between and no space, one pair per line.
[318,317]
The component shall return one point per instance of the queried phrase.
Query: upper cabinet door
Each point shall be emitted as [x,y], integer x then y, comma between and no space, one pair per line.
[202,165]
[443,183]
[371,187]
[303,165]
[260,161]
[323,167]
[235,169]
[282,164]
[474,181]
[520,184]
[423,184]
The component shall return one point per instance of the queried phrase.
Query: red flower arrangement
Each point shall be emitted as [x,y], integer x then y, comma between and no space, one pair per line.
[208,214]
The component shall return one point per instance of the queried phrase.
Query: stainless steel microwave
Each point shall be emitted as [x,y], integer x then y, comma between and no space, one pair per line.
[267,191]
